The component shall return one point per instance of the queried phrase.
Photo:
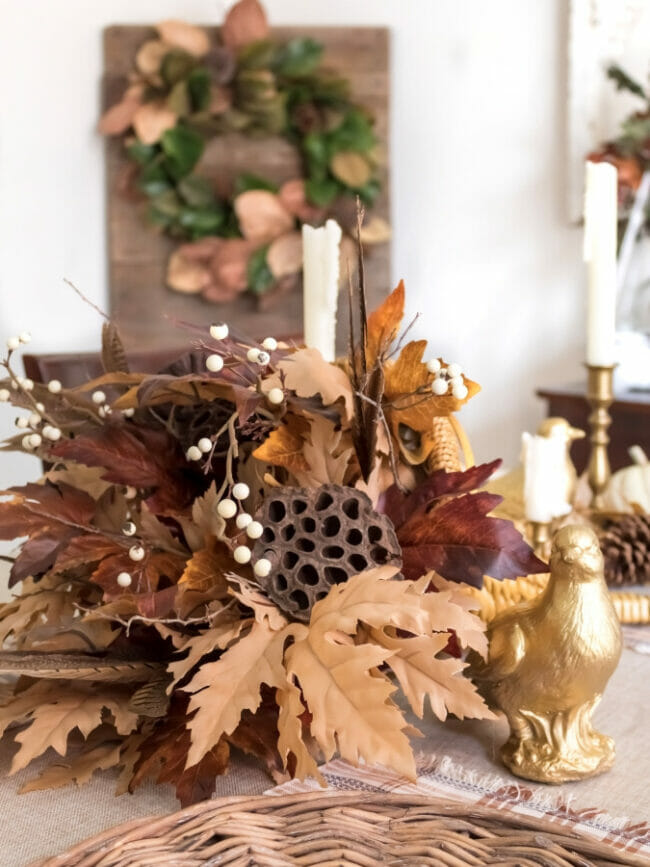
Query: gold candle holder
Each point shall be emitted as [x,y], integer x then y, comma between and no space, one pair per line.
[600,394]
[540,535]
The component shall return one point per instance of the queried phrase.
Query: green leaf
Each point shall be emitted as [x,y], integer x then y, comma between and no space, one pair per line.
[167,204]
[316,152]
[636,128]
[179,99]
[259,274]
[183,148]
[624,82]
[298,57]
[199,89]
[369,192]
[176,65]
[257,55]
[201,223]
[322,192]
[196,191]
[247,181]
[354,134]
[154,180]
[141,153]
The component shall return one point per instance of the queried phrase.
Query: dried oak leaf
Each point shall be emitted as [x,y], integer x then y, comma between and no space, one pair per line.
[283,447]
[445,529]
[163,755]
[222,690]
[50,515]
[78,770]
[206,568]
[384,324]
[306,373]
[290,740]
[187,37]
[262,216]
[245,22]
[328,453]
[142,457]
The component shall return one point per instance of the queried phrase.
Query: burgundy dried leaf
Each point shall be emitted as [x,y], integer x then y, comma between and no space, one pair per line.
[459,540]
[38,554]
[399,506]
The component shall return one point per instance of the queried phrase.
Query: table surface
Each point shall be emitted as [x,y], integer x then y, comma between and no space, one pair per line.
[45,823]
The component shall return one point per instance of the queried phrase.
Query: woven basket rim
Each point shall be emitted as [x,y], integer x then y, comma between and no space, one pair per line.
[293,804]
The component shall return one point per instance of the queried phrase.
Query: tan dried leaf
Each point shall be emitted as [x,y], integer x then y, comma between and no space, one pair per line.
[151,120]
[40,607]
[229,264]
[204,571]
[200,645]
[283,448]
[150,56]
[262,216]
[245,22]
[284,255]
[307,373]
[294,198]
[223,690]
[186,275]
[78,771]
[290,738]
[328,453]
[351,168]
[187,37]
[375,231]
[421,674]
[264,611]
[119,117]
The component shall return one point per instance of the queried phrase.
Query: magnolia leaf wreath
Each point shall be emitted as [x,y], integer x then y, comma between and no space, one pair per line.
[188,90]
[158,627]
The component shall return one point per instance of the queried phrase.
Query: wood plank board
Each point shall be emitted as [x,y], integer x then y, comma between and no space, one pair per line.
[144,308]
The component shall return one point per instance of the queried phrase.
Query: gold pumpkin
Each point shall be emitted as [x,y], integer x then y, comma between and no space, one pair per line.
[629,488]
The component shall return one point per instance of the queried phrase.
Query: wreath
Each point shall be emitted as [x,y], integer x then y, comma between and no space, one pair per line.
[187,90]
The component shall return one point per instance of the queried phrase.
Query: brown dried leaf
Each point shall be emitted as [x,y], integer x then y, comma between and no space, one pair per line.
[151,120]
[150,56]
[229,264]
[262,216]
[384,323]
[351,168]
[283,447]
[328,454]
[186,275]
[198,646]
[294,198]
[284,255]
[307,373]
[78,771]
[206,568]
[245,22]
[187,37]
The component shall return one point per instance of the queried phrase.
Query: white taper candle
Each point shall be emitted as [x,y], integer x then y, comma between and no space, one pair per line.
[544,477]
[601,200]
[320,277]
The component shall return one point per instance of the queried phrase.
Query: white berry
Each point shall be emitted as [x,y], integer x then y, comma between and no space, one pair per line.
[13,343]
[24,337]
[22,421]
[240,491]
[40,407]
[136,552]
[27,443]
[254,530]
[262,567]
[27,384]
[54,386]
[433,365]
[270,343]
[242,554]
[219,331]
[128,528]
[98,397]
[128,413]
[243,520]
[253,354]
[275,396]
[214,363]
[130,493]
[456,380]
[35,440]
[439,386]
[193,453]
[5,394]
[454,370]
[35,419]
[459,392]
[226,509]
[124,579]
[53,434]
[205,445]
[263,357]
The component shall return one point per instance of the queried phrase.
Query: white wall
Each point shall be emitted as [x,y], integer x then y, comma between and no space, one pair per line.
[480,234]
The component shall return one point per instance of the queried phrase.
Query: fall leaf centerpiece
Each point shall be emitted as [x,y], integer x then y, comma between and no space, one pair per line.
[241,552]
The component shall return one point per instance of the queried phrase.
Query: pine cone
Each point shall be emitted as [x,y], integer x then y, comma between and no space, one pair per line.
[625,544]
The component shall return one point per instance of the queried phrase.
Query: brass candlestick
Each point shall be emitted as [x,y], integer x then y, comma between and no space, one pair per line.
[540,534]
[600,394]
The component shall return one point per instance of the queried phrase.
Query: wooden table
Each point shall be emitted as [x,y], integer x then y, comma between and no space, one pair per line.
[630,421]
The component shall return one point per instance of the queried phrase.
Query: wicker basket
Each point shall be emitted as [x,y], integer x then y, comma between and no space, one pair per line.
[351,828]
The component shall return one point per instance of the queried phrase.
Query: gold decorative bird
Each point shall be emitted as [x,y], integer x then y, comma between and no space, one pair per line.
[548,663]
[510,486]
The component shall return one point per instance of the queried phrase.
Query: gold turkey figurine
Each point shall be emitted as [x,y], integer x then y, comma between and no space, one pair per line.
[549,662]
